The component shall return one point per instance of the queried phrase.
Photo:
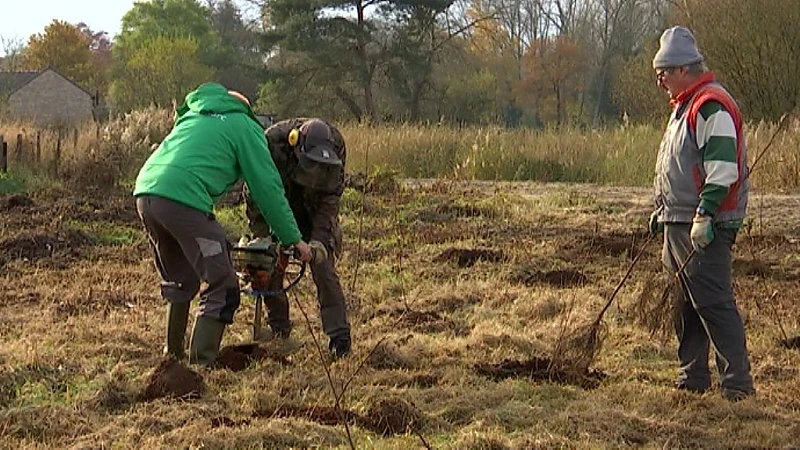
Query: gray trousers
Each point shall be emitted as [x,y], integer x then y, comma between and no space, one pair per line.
[190,246]
[332,306]
[707,313]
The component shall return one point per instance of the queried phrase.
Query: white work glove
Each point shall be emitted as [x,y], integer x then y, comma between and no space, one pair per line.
[702,232]
[654,226]
[303,252]
[319,252]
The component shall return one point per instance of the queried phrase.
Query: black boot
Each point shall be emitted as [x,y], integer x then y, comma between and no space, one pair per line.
[206,337]
[340,346]
[177,318]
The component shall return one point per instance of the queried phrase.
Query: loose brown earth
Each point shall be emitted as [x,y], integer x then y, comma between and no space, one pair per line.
[559,278]
[460,294]
[468,257]
[540,369]
[386,417]
[173,379]
[238,357]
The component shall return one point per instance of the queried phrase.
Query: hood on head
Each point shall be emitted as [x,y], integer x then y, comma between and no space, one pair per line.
[214,98]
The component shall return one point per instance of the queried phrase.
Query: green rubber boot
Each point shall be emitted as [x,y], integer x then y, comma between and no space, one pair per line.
[206,337]
[177,318]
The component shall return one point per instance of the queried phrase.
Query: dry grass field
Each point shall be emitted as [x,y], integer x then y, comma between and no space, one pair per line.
[457,292]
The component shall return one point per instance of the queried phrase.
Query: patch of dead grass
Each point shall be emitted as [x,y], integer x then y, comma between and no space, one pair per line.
[98,314]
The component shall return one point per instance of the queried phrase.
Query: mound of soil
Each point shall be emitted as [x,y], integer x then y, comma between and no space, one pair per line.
[449,212]
[404,378]
[93,302]
[15,201]
[457,210]
[392,416]
[558,278]
[387,356]
[613,245]
[238,357]
[379,183]
[540,369]
[468,257]
[429,322]
[422,380]
[224,421]
[386,417]
[36,246]
[413,317]
[112,396]
[173,380]
[452,302]
[792,343]
[114,212]
[324,415]
[357,181]
[752,268]
[610,244]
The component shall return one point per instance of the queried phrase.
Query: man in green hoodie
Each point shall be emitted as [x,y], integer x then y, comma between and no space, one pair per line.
[216,141]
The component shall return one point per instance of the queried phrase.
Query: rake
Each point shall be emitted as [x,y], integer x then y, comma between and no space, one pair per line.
[579,348]
[653,317]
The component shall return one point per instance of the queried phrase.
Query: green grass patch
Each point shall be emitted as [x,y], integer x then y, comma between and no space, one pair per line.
[351,201]
[11,184]
[568,198]
[23,179]
[233,220]
[108,233]
[42,384]
[54,392]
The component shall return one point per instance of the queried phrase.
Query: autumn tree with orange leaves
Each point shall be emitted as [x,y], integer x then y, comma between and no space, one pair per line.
[551,82]
[66,48]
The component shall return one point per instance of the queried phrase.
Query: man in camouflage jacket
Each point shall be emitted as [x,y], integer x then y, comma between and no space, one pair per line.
[310,156]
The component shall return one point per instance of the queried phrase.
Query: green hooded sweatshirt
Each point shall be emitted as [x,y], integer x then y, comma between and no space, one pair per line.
[217,140]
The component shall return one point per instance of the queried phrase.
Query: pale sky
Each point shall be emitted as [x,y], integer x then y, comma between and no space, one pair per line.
[21,18]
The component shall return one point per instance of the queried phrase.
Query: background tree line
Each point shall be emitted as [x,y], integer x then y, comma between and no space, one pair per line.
[511,62]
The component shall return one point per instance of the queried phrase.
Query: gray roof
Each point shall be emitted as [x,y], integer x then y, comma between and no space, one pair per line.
[11,81]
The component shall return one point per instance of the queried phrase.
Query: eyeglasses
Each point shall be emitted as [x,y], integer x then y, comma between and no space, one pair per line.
[661,73]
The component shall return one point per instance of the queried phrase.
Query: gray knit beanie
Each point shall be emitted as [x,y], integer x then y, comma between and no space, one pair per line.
[678,48]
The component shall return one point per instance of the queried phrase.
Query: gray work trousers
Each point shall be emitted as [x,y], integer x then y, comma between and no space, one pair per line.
[332,306]
[707,312]
[190,246]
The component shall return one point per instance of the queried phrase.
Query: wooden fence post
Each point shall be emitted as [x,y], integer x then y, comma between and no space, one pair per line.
[19,148]
[75,139]
[57,159]
[3,155]
[38,146]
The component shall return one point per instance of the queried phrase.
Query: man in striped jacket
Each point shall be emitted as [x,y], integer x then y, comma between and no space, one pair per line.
[701,193]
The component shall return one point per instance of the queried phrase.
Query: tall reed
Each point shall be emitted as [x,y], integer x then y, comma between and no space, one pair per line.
[622,155]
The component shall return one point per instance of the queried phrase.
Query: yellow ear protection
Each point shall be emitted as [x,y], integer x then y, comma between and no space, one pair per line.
[296,141]
[294,137]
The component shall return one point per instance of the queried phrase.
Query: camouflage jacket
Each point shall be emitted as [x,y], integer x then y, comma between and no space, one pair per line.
[316,212]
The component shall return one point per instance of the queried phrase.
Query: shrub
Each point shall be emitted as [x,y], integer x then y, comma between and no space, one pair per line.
[123,146]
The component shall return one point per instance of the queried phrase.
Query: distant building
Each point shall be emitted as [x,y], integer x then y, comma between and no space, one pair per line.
[47,98]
